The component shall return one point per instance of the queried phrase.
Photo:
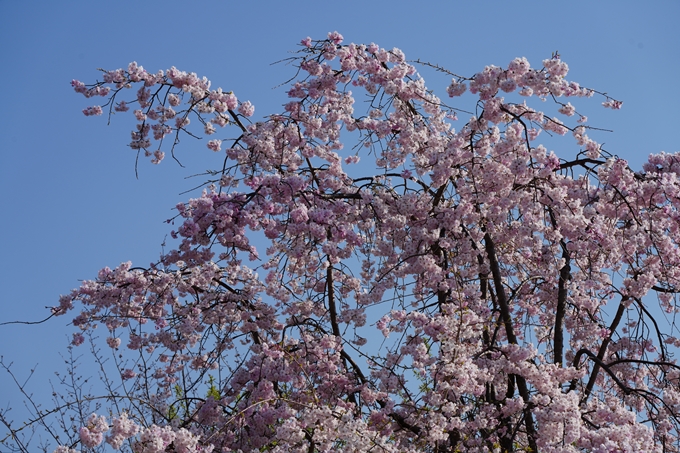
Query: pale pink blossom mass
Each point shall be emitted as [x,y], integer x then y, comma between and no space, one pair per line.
[364,272]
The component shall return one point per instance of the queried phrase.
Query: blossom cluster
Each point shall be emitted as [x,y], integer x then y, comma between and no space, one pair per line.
[157,114]
[154,439]
[440,286]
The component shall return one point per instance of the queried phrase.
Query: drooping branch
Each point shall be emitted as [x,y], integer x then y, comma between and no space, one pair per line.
[558,335]
[330,294]
[512,338]
[600,364]
[601,353]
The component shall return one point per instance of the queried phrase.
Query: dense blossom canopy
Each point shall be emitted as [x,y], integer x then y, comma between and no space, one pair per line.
[366,272]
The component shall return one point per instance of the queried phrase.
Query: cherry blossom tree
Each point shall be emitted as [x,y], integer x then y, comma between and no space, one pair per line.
[367,272]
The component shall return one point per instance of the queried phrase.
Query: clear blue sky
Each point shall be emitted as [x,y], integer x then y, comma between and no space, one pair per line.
[71,202]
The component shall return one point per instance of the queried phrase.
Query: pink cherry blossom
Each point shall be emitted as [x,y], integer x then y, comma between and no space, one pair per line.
[93,111]
[246,109]
[92,434]
[335,37]
[215,145]
[113,342]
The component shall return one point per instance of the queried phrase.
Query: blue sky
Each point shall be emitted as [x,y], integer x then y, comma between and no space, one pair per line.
[71,201]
